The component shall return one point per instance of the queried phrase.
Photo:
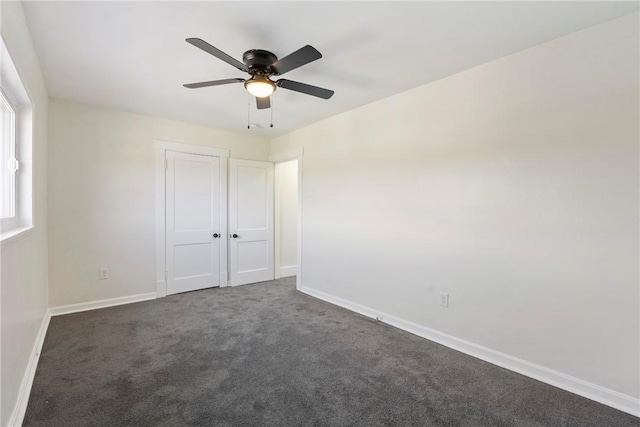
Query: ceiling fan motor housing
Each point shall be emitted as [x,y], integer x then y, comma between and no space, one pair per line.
[259,60]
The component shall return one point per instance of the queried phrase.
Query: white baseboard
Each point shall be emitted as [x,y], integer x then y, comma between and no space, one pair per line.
[566,382]
[20,408]
[85,306]
[289,270]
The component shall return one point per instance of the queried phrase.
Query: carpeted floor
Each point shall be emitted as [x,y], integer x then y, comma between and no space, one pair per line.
[266,355]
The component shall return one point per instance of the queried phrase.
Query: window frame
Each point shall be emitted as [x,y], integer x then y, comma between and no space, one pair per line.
[17,96]
[11,157]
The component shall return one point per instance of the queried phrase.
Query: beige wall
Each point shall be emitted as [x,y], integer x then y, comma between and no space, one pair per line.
[102,196]
[23,279]
[512,186]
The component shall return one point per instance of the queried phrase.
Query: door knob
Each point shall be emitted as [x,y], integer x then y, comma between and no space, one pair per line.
[234,235]
[216,235]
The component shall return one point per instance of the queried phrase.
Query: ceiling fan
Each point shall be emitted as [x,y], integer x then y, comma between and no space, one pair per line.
[262,65]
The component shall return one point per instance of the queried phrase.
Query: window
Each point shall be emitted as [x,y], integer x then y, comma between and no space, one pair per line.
[16,151]
[8,162]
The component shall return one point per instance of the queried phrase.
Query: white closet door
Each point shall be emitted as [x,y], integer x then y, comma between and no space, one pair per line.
[250,221]
[192,222]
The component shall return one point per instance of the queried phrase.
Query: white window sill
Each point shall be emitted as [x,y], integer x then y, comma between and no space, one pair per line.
[14,233]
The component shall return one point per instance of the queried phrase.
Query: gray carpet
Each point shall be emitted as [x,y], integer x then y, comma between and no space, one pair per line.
[266,355]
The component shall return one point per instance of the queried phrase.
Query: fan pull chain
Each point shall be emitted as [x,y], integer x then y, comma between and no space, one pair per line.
[271,112]
[248,111]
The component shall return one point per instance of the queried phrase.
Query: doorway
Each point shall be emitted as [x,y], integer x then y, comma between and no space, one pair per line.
[288,214]
[286,218]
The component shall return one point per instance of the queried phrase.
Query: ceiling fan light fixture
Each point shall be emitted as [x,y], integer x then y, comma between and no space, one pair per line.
[260,87]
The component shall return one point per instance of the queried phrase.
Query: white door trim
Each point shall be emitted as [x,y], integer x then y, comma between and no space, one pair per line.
[277,226]
[295,154]
[161,147]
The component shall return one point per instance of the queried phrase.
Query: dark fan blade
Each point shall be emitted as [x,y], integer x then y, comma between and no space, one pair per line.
[263,102]
[305,88]
[213,83]
[217,53]
[300,57]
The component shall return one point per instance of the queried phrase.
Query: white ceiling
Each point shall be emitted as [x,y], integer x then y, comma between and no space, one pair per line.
[133,55]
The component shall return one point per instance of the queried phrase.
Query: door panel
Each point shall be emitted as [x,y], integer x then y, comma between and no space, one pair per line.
[252,197]
[252,256]
[192,260]
[194,195]
[192,218]
[251,219]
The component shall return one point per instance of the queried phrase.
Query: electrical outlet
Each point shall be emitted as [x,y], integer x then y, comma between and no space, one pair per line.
[444,299]
[103,273]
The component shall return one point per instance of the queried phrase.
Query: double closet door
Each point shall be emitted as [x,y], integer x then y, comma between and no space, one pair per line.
[197,220]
